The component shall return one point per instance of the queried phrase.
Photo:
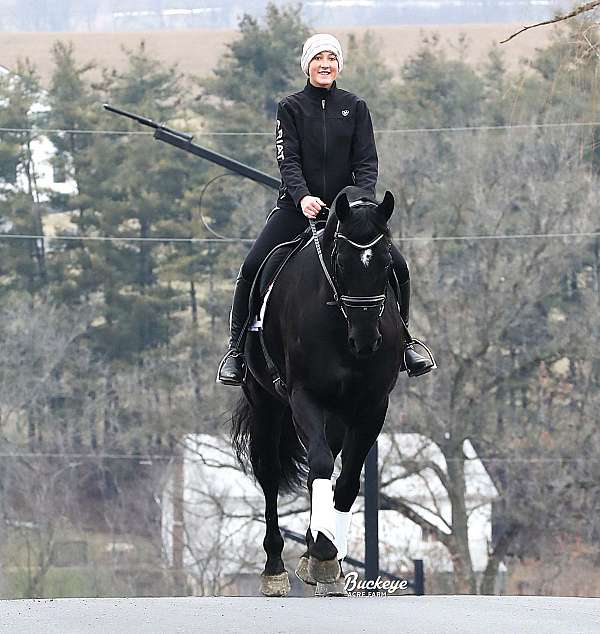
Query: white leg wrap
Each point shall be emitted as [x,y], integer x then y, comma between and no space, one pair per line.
[322,517]
[342,524]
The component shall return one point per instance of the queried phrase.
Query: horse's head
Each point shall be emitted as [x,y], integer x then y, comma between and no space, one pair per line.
[360,261]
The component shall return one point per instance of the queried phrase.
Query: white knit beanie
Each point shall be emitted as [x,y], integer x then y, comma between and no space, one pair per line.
[317,44]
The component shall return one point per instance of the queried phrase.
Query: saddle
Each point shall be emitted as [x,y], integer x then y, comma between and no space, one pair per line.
[269,271]
[267,275]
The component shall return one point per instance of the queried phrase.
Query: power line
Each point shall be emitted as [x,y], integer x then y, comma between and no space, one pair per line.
[57,130]
[474,238]
[507,236]
[147,457]
[80,456]
[517,126]
[120,239]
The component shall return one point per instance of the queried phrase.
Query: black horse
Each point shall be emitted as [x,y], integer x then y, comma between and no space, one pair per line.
[333,330]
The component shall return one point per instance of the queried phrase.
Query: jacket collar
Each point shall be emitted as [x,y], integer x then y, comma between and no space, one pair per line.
[319,93]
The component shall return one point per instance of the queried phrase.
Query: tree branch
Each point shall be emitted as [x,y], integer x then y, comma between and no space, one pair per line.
[588,6]
[397,504]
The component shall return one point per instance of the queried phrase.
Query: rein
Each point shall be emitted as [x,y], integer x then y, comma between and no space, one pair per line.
[344,302]
[315,237]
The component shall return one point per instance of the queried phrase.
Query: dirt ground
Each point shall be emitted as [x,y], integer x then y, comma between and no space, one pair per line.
[197,51]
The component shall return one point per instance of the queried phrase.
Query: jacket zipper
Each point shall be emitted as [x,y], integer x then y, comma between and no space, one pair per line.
[324,150]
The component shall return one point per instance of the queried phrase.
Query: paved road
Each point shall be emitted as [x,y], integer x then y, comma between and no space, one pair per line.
[406,615]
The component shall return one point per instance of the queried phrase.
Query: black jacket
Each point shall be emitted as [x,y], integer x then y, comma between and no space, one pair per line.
[324,142]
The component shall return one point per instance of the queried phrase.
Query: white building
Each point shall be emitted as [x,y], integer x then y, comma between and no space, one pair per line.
[50,177]
[223,511]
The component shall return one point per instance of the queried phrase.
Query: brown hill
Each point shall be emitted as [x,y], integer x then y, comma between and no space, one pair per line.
[197,51]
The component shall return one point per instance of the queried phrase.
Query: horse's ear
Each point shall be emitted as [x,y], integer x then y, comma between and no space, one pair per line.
[342,207]
[386,207]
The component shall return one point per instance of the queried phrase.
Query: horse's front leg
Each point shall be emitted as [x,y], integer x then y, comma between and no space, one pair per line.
[310,423]
[359,438]
[335,431]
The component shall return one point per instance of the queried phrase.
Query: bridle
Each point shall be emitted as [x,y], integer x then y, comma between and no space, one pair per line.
[345,302]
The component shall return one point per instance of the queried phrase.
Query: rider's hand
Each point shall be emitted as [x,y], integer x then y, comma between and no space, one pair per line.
[311,206]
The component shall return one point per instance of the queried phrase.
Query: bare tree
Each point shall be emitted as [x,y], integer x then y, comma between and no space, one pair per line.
[493,310]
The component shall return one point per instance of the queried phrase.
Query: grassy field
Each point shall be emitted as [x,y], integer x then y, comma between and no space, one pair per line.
[122,565]
[197,51]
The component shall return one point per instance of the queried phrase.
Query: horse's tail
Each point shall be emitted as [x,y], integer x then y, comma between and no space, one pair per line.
[252,447]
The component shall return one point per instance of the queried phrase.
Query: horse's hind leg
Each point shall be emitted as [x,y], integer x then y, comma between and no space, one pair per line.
[268,414]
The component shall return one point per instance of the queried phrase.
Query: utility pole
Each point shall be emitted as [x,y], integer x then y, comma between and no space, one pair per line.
[178,519]
[372,514]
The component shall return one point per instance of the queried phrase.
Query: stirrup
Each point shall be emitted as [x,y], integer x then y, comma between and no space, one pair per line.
[428,352]
[231,353]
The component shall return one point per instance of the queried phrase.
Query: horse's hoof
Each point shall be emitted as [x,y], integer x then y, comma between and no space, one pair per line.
[335,589]
[326,571]
[275,585]
[303,573]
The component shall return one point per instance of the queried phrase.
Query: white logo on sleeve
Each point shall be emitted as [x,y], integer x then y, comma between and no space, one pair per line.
[345,113]
[279,141]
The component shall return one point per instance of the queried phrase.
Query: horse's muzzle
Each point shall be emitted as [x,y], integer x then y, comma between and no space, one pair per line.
[364,349]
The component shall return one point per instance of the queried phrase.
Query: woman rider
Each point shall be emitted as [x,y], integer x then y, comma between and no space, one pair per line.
[324,142]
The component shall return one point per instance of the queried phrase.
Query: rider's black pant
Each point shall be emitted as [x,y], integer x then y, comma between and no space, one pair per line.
[284,224]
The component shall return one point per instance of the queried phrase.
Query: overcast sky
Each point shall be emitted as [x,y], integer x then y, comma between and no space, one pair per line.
[131,15]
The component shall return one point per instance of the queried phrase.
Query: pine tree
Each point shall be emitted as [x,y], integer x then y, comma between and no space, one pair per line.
[367,74]
[259,68]
[127,188]
[24,261]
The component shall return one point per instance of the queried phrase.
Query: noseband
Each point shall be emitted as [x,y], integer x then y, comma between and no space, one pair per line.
[345,302]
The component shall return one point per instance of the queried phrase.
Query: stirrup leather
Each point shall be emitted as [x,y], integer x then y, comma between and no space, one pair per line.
[429,354]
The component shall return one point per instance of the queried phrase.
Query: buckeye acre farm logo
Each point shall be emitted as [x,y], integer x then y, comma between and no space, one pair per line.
[357,587]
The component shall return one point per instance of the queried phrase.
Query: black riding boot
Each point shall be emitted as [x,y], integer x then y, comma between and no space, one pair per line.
[415,364]
[232,367]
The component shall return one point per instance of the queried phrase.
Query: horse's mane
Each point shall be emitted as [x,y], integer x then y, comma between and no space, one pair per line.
[360,225]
